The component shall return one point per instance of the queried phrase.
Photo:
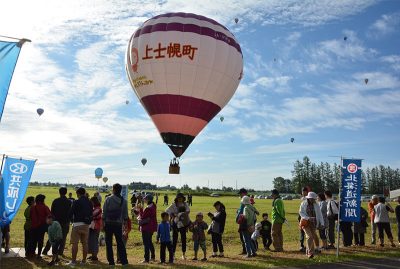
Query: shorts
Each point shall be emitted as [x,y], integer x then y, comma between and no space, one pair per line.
[201,244]
[5,229]
[80,233]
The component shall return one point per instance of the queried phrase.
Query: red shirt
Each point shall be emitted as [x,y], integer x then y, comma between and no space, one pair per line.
[150,213]
[39,213]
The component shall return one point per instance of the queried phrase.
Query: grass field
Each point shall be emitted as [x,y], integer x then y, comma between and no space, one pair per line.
[290,257]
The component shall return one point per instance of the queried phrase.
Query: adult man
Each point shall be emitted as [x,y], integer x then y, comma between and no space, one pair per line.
[60,210]
[304,193]
[115,215]
[332,214]
[190,199]
[278,218]
[80,216]
[165,199]
[242,192]
[371,204]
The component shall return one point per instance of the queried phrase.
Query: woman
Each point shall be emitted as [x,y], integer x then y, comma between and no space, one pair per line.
[324,211]
[360,228]
[311,220]
[217,228]
[148,225]
[28,227]
[173,211]
[382,220]
[249,213]
[38,214]
[94,229]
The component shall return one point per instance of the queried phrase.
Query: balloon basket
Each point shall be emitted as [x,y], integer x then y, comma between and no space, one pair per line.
[174,169]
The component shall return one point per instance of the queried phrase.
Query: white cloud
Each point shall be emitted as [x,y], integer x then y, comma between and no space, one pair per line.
[387,24]
[393,60]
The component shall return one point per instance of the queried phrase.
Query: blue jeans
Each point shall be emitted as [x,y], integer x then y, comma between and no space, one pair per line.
[148,246]
[250,249]
[110,231]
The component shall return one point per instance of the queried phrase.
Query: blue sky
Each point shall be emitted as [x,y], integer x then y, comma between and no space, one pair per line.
[314,91]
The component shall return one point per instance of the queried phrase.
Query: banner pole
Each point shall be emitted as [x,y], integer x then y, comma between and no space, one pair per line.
[338,219]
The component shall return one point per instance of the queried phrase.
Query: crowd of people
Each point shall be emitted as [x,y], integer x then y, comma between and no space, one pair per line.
[93,225]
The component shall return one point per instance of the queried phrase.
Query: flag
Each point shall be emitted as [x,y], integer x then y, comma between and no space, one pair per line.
[13,185]
[9,52]
[350,196]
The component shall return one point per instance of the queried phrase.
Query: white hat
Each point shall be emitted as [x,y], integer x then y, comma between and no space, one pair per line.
[374,197]
[311,195]
[245,200]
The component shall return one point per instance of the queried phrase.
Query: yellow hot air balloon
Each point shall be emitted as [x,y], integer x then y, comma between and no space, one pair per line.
[184,68]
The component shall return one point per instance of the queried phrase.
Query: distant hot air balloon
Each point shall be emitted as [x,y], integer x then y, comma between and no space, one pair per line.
[292,139]
[184,68]
[98,173]
[345,38]
[221,119]
[236,20]
[127,102]
[40,111]
[274,59]
[144,161]
[105,179]
[366,81]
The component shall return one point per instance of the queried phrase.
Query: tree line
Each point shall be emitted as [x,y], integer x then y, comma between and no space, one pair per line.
[324,176]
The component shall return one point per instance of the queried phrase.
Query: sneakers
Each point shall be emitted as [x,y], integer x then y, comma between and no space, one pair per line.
[71,264]
[302,249]
[204,259]
[221,255]
[194,259]
[183,257]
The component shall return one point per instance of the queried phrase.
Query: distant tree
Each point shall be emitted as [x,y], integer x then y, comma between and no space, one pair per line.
[279,184]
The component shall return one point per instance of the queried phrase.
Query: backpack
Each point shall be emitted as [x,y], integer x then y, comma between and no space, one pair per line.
[115,215]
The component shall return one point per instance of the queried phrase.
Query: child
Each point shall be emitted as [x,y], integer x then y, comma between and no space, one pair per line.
[360,228]
[183,217]
[55,238]
[256,234]
[164,237]
[199,237]
[126,229]
[266,231]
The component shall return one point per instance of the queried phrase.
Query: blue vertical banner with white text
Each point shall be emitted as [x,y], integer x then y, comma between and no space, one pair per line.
[13,185]
[350,196]
[9,52]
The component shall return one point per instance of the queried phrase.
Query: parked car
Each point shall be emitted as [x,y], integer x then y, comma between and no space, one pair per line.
[215,195]
[288,197]
[261,197]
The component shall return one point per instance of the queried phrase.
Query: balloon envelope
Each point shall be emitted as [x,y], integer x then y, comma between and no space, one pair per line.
[236,20]
[366,81]
[292,139]
[184,68]
[105,179]
[98,173]
[127,102]
[144,161]
[345,38]
[40,111]
[221,119]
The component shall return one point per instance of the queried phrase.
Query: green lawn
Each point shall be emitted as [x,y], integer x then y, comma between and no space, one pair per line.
[231,241]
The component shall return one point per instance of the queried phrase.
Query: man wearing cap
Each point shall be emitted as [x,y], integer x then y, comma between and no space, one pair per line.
[242,192]
[371,204]
[278,218]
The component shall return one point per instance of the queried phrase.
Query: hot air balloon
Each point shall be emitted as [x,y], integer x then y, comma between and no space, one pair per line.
[184,68]
[127,102]
[236,20]
[221,119]
[345,38]
[40,111]
[366,81]
[292,139]
[105,179]
[144,161]
[98,173]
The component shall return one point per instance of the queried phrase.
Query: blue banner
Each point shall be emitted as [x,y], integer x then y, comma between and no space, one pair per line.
[350,196]
[9,52]
[13,185]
